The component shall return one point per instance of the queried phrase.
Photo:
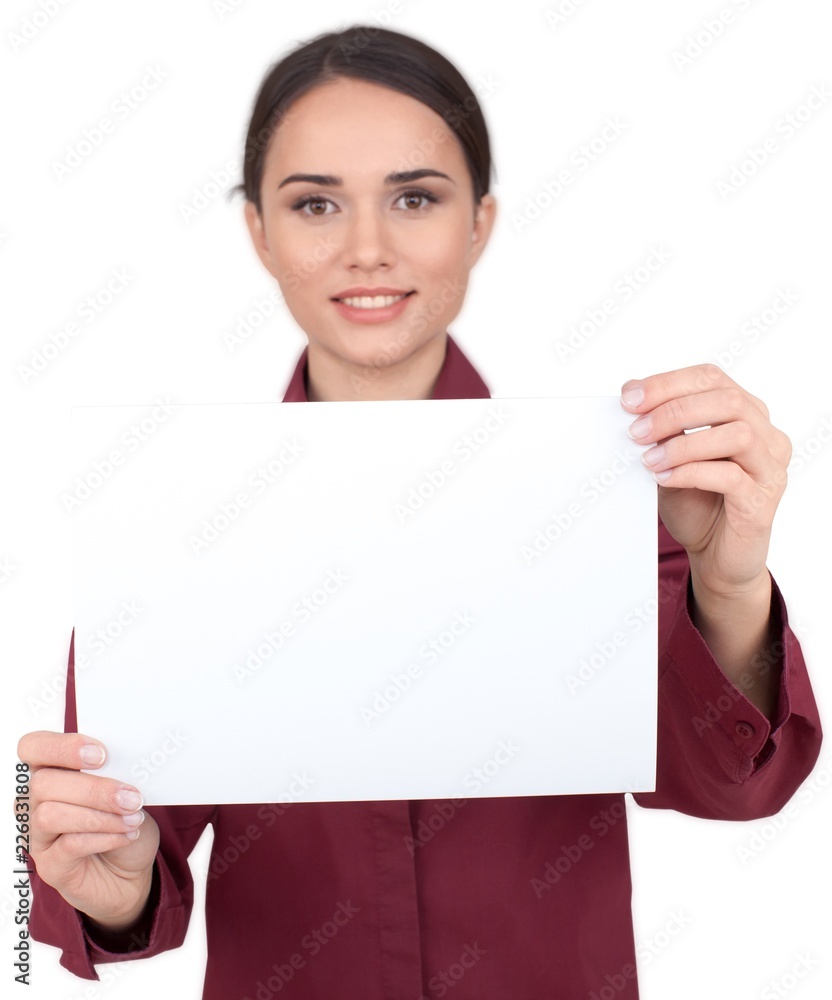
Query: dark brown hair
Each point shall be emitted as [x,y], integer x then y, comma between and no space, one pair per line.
[378,55]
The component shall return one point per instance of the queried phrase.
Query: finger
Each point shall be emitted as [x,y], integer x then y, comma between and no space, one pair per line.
[75,846]
[73,751]
[715,477]
[88,790]
[748,499]
[51,820]
[736,441]
[702,410]
[643,395]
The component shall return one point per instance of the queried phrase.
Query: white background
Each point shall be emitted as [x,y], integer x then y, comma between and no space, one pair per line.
[746,924]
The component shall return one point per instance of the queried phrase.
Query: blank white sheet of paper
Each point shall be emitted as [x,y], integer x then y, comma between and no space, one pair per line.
[366,600]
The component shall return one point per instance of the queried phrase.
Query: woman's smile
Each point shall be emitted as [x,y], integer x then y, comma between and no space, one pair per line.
[367,305]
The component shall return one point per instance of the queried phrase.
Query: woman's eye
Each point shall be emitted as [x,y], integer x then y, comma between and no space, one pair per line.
[417,199]
[312,206]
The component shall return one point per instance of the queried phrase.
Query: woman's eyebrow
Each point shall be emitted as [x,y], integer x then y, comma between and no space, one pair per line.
[322,180]
[329,180]
[407,176]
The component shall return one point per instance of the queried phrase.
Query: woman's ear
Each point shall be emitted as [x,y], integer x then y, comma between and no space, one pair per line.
[257,232]
[484,215]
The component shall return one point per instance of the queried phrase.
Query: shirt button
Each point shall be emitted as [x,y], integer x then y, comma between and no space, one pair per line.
[744,730]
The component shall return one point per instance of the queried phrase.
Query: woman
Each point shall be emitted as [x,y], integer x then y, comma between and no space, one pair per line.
[367,154]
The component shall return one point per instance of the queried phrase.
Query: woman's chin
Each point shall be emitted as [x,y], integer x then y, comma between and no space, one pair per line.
[375,347]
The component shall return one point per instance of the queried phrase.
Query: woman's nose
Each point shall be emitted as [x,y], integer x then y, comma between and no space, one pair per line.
[368,241]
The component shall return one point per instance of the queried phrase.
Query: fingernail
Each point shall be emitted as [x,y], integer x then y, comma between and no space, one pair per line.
[92,754]
[654,455]
[133,834]
[640,429]
[134,819]
[662,477]
[634,396]
[131,801]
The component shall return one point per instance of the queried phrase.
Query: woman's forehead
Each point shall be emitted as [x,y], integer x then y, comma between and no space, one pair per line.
[364,128]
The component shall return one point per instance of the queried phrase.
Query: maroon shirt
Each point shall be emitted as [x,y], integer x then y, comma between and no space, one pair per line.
[490,898]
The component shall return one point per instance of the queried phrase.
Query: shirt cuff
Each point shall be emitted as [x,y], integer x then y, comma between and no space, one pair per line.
[747,738]
[56,922]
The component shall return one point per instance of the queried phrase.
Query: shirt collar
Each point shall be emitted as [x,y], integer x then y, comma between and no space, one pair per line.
[458,379]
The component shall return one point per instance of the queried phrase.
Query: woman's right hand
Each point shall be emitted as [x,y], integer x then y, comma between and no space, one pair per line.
[90,839]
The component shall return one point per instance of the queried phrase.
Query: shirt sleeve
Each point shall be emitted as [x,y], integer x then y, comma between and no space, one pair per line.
[718,756]
[54,921]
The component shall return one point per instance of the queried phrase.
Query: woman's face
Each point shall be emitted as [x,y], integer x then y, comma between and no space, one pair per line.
[368,224]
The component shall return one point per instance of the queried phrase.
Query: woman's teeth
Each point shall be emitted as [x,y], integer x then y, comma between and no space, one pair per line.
[372,302]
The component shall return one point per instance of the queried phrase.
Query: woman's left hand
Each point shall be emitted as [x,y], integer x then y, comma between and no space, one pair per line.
[719,487]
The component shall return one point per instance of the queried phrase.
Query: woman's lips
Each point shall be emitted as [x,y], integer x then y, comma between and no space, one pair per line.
[378,308]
